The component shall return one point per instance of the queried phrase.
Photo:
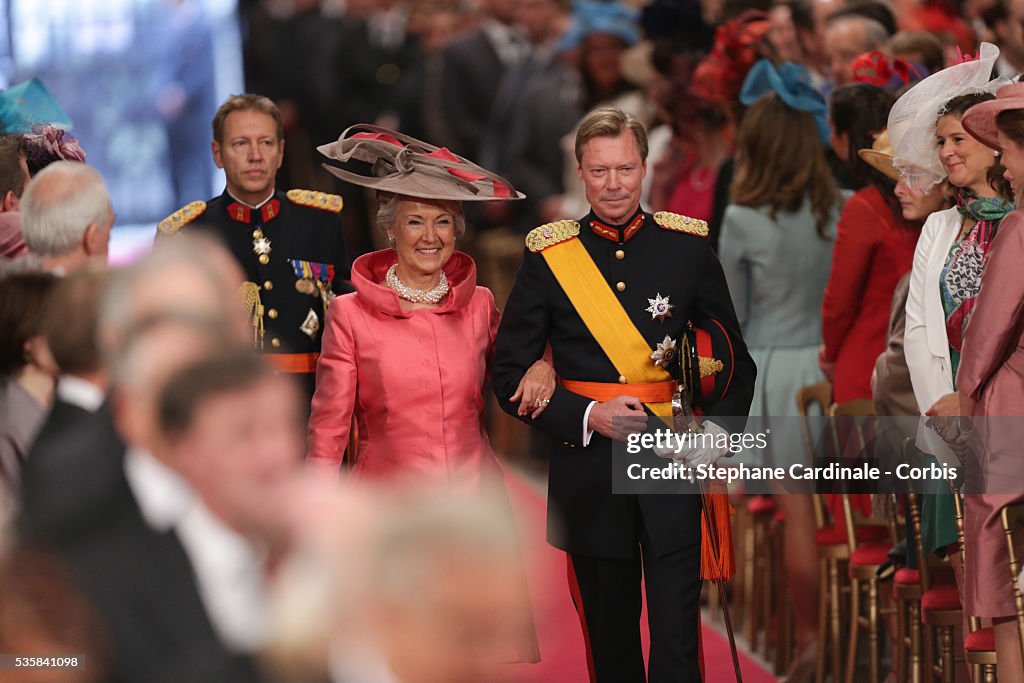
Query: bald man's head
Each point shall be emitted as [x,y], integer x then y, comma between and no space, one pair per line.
[65,208]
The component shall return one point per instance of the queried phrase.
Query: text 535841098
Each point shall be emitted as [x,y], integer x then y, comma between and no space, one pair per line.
[38,661]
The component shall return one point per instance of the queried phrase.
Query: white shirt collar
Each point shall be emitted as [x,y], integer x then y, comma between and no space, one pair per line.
[229,570]
[163,496]
[508,42]
[80,392]
[251,206]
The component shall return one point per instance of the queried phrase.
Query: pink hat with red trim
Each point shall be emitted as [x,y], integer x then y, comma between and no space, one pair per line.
[403,165]
[980,120]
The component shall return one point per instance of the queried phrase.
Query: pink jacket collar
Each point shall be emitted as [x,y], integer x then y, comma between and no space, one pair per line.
[368,273]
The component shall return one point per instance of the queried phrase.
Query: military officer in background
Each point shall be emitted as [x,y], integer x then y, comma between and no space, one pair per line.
[288,244]
[613,294]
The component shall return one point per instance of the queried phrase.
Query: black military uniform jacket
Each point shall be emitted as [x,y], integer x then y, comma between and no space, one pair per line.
[303,247]
[639,260]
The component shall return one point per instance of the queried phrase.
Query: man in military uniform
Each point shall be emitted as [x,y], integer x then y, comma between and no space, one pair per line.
[288,243]
[613,294]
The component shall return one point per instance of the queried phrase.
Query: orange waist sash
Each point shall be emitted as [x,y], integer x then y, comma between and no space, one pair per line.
[293,363]
[651,392]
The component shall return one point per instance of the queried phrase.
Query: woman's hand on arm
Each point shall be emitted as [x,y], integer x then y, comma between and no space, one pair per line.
[535,389]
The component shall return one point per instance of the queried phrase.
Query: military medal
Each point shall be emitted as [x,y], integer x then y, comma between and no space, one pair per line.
[660,308]
[311,325]
[305,286]
[665,352]
[261,246]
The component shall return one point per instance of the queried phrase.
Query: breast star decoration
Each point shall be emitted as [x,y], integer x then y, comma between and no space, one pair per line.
[261,244]
[659,307]
[665,352]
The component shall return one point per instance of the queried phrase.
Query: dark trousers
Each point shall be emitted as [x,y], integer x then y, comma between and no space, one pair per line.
[606,593]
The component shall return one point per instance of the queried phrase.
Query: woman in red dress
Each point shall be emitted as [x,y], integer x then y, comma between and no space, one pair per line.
[874,248]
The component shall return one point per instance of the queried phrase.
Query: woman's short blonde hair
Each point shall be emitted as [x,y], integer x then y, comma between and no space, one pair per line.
[388,203]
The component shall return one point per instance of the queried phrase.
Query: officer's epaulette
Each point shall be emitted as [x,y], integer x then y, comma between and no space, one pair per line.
[182,217]
[550,234]
[680,223]
[317,200]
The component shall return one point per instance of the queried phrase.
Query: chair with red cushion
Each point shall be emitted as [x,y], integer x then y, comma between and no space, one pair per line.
[940,609]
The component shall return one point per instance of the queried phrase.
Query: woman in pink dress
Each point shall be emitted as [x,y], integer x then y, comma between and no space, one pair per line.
[990,384]
[407,354]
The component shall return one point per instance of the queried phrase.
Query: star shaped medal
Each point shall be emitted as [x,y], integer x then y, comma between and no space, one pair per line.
[659,307]
[261,245]
[665,352]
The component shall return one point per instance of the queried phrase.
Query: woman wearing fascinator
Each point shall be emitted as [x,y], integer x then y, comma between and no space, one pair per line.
[407,353]
[775,248]
[930,143]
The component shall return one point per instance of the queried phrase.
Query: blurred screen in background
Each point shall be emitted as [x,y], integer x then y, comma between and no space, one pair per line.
[140,80]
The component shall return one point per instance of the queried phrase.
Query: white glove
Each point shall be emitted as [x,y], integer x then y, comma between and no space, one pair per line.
[714,448]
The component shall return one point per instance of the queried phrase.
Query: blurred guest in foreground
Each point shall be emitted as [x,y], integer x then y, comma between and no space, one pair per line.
[73,477]
[428,592]
[27,370]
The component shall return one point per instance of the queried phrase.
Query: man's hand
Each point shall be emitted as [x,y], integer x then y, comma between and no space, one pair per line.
[618,418]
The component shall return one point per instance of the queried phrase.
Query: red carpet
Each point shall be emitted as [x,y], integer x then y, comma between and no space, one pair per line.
[563,659]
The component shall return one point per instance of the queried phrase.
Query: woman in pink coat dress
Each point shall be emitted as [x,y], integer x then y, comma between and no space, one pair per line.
[408,352]
[990,383]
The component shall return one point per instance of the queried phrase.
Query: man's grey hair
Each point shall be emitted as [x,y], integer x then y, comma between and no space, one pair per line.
[59,203]
[875,35]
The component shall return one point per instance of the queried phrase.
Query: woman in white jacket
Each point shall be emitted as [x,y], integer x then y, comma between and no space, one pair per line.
[946,276]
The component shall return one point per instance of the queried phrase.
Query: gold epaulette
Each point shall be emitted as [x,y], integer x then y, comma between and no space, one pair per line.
[550,234]
[680,223]
[182,217]
[317,200]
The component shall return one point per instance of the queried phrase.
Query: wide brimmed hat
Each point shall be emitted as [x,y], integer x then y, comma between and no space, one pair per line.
[980,120]
[879,157]
[403,165]
[912,119]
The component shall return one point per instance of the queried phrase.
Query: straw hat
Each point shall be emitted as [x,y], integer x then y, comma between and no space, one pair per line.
[980,120]
[879,157]
[403,165]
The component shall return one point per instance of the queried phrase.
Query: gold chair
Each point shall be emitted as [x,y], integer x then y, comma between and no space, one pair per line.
[940,609]
[832,547]
[1012,517]
[979,643]
[866,556]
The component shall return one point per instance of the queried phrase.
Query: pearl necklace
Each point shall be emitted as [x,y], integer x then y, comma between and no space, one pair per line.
[417,296]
